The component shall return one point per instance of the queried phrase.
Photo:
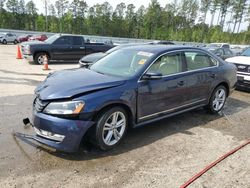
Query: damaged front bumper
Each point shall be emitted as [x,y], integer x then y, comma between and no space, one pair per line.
[59,133]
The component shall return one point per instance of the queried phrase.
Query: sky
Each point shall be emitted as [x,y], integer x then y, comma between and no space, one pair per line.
[137,3]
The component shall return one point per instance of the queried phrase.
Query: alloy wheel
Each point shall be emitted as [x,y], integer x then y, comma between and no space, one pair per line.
[219,99]
[40,59]
[114,128]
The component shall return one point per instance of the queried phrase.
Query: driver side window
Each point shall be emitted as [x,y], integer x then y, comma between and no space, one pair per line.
[167,64]
[64,40]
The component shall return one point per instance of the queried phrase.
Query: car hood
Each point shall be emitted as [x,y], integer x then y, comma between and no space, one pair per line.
[92,58]
[69,83]
[239,60]
[33,42]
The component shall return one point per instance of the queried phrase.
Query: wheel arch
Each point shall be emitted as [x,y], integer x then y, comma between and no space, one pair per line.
[90,131]
[126,107]
[43,51]
[225,84]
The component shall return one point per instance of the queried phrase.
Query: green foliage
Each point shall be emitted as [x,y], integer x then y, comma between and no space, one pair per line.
[183,20]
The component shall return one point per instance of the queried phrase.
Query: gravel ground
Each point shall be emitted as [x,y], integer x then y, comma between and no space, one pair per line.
[163,154]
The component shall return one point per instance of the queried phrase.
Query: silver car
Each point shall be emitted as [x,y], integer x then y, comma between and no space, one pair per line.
[8,38]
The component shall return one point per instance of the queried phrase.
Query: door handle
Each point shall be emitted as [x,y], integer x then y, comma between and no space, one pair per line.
[213,75]
[82,48]
[180,83]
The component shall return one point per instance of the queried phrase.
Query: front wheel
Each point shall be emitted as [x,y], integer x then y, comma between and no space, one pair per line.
[4,41]
[217,100]
[111,128]
[39,58]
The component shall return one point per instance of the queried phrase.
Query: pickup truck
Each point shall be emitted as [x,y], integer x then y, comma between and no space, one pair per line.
[61,47]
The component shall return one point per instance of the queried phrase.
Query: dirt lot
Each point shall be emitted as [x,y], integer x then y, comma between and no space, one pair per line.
[163,154]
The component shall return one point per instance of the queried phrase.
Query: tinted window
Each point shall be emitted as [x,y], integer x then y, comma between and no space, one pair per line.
[77,41]
[199,60]
[167,64]
[226,46]
[63,40]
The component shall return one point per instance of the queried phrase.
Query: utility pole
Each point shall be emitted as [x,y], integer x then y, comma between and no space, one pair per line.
[46,14]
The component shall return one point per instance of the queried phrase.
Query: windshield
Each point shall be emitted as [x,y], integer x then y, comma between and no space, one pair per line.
[123,62]
[52,39]
[246,52]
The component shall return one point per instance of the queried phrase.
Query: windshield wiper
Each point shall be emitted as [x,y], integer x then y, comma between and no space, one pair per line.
[98,72]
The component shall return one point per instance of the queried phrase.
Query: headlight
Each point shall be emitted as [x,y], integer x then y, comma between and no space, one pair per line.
[64,108]
[248,69]
[27,49]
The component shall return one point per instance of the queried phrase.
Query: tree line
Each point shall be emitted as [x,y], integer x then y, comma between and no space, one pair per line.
[181,20]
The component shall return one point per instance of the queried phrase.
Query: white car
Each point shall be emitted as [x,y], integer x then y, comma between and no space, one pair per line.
[218,45]
[242,63]
[8,38]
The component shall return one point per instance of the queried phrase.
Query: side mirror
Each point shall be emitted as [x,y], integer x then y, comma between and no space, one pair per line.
[152,76]
[85,65]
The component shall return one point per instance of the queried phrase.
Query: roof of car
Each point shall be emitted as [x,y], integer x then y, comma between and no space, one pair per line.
[159,48]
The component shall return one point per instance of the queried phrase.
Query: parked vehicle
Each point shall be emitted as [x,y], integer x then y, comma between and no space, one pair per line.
[237,50]
[24,38]
[163,42]
[38,37]
[218,45]
[61,48]
[6,38]
[90,59]
[242,63]
[130,87]
[223,53]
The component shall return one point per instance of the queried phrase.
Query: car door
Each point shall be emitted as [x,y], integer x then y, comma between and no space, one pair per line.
[200,75]
[78,48]
[165,94]
[9,37]
[61,49]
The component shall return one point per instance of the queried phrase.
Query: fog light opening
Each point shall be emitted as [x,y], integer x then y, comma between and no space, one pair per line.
[49,135]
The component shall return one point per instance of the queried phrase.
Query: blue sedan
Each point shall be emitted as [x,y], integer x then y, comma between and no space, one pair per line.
[130,87]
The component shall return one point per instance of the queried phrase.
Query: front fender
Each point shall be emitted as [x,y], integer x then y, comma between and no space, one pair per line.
[95,102]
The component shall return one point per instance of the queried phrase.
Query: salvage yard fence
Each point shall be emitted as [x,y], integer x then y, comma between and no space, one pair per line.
[115,40]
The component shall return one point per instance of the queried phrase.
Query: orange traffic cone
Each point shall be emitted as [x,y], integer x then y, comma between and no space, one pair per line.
[19,55]
[45,63]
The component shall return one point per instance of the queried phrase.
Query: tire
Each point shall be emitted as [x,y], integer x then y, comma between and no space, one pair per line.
[217,100]
[4,41]
[109,120]
[15,41]
[39,58]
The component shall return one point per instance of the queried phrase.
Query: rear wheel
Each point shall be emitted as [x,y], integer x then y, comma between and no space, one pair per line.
[111,128]
[39,58]
[15,41]
[217,100]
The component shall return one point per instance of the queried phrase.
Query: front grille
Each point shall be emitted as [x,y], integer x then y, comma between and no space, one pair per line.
[243,68]
[39,105]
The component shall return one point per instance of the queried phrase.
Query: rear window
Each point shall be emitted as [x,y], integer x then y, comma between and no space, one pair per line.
[199,60]
[226,46]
